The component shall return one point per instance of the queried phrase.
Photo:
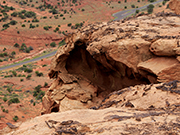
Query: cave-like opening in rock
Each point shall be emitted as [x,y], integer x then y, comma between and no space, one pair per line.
[108,75]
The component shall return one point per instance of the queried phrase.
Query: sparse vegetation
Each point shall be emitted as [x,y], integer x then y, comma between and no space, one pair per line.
[39,73]
[13,100]
[15,118]
[38,93]
[53,44]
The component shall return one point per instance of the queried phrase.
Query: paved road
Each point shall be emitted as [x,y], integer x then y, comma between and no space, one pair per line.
[28,61]
[122,14]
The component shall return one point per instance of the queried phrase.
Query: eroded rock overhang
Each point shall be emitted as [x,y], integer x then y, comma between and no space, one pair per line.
[105,57]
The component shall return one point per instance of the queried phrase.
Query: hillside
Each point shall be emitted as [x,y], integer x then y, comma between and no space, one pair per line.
[118,77]
[32,28]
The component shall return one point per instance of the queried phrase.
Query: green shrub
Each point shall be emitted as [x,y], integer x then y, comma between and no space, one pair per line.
[6,25]
[13,22]
[69,24]
[4,99]
[4,49]
[28,76]
[137,11]
[9,90]
[13,100]
[44,65]
[27,50]
[53,44]
[45,84]
[28,70]
[21,80]
[30,14]
[14,14]
[150,8]
[40,95]
[62,42]
[57,29]
[15,118]
[13,53]
[47,27]
[38,73]
[14,73]
[133,6]
[16,45]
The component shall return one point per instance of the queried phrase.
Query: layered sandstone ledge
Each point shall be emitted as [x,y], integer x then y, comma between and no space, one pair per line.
[105,57]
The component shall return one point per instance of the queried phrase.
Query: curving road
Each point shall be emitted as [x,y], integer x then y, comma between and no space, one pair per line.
[122,14]
[119,16]
[28,61]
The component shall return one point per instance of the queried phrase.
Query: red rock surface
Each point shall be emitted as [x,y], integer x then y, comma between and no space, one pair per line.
[105,57]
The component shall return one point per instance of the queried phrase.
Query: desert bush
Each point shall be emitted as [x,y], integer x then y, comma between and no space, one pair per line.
[69,24]
[13,53]
[44,65]
[30,14]
[40,95]
[4,49]
[14,73]
[9,90]
[45,84]
[6,25]
[137,11]
[150,8]
[39,73]
[35,20]
[47,27]
[13,100]
[14,14]
[53,11]
[28,70]
[62,42]
[4,98]
[15,118]
[133,6]
[23,25]
[53,44]
[21,80]
[28,76]
[23,11]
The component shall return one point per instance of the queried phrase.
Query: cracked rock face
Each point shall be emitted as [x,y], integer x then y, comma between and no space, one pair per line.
[105,57]
[142,109]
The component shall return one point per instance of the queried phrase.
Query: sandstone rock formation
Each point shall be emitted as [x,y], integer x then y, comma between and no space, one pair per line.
[105,57]
[175,6]
[143,109]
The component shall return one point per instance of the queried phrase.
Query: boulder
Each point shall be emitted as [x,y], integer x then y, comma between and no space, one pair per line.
[164,47]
